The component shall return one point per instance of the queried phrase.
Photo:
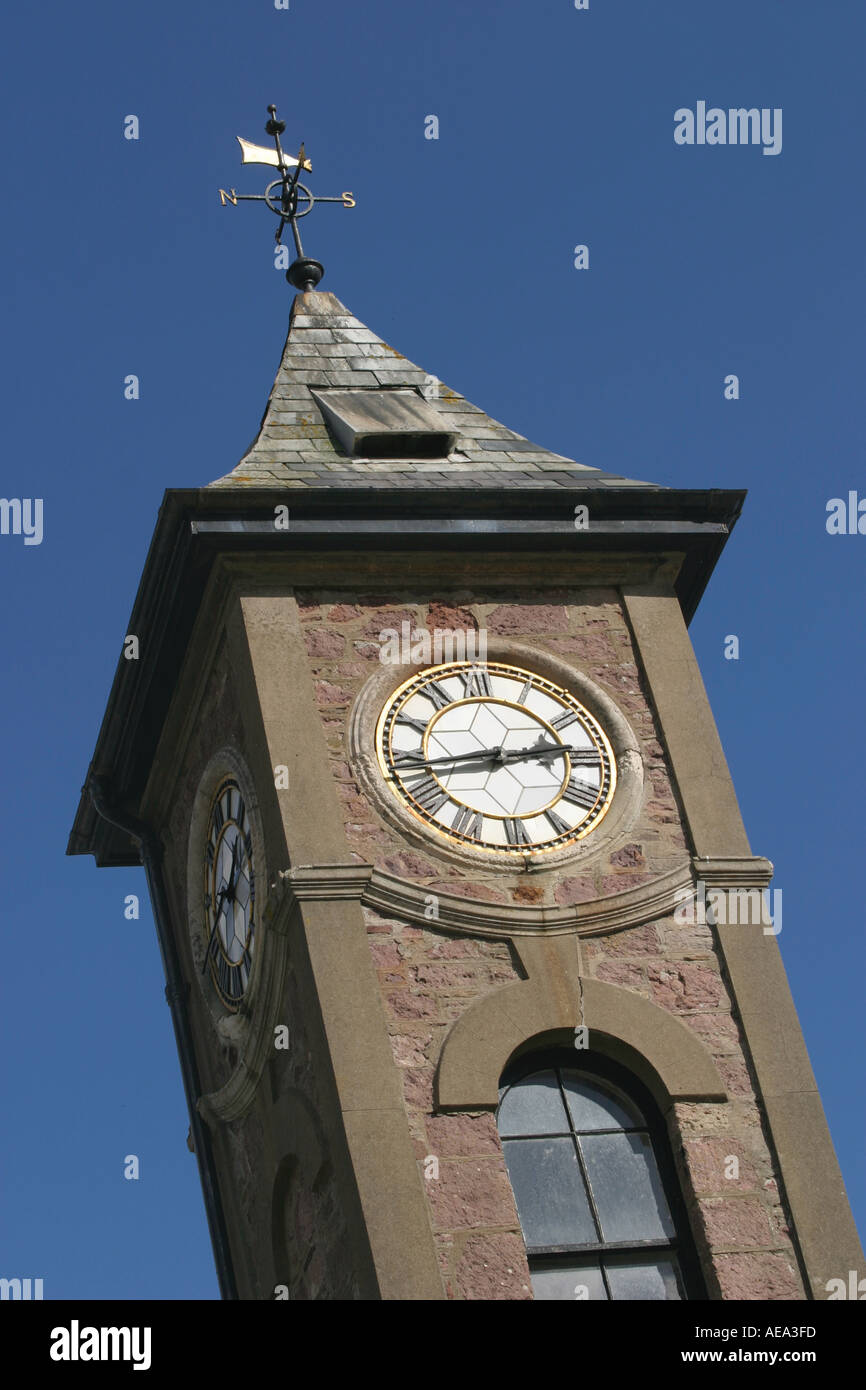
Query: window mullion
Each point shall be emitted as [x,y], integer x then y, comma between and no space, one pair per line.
[580,1162]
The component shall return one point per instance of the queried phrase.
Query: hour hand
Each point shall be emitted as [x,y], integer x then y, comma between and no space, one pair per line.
[405,760]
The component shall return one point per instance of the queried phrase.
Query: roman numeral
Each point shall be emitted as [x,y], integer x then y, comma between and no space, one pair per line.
[241,811]
[524,694]
[515,832]
[580,794]
[567,717]
[218,816]
[476,681]
[428,794]
[560,826]
[437,695]
[585,757]
[407,757]
[407,721]
[231,977]
[468,822]
[223,974]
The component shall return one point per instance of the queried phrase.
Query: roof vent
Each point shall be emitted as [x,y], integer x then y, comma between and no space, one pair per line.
[387,424]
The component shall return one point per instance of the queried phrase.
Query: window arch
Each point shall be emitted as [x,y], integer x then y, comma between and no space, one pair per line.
[594,1183]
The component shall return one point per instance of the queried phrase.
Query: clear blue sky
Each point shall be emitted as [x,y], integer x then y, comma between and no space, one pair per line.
[556,128]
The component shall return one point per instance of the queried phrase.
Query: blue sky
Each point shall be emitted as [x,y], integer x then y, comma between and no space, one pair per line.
[555,128]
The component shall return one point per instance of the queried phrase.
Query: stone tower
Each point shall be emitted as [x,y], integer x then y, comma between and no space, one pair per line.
[474,984]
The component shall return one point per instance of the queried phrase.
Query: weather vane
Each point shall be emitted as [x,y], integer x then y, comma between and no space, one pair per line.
[287,197]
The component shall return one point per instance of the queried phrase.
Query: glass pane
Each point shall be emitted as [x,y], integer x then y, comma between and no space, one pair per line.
[580,1284]
[592,1108]
[549,1191]
[533,1106]
[626,1187]
[643,1281]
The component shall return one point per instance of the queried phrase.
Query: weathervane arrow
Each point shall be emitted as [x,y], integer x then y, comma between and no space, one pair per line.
[283,197]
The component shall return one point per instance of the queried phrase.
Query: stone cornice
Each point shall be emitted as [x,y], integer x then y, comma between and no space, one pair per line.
[733,871]
[411,902]
[325,881]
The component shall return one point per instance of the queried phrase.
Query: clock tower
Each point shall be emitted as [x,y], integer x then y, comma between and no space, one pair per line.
[474,982]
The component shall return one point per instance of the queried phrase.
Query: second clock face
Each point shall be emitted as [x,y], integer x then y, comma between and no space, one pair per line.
[229,894]
[496,757]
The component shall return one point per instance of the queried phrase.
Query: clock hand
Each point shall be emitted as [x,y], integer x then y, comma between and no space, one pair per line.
[219,912]
[536,750]
[225,894]
[499,754]
[480,754]
[232,883]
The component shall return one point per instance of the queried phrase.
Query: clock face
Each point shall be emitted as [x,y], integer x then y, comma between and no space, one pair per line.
[496,757]
[229,894]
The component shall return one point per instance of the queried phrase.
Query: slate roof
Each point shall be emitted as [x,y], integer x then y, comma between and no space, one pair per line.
[327,347]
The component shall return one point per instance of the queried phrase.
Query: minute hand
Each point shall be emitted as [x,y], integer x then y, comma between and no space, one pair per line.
[499,755]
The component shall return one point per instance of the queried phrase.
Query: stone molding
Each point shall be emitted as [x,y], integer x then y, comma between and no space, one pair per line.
[409,902]
[660,1047]
[733,871]
[394,897]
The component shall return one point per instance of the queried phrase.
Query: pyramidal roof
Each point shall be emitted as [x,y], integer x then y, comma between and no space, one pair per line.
[348,411]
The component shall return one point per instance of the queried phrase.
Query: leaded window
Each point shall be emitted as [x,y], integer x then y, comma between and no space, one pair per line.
[601,1218]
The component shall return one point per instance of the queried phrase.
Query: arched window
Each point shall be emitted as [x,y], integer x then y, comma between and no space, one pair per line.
[596,1193]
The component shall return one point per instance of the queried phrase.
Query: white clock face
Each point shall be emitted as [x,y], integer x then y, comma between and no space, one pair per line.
[229,894]
[496,757]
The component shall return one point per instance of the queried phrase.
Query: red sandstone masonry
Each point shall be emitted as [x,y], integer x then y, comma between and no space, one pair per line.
[597,635]
[490,1267]
[758,1276]
[429,978]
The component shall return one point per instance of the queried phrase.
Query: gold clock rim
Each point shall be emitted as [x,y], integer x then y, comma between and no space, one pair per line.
[542,847]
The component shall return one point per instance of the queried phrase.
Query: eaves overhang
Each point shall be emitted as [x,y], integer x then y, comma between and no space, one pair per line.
[197,526]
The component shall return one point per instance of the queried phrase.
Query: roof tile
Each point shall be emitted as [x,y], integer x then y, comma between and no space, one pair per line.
[328,346]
